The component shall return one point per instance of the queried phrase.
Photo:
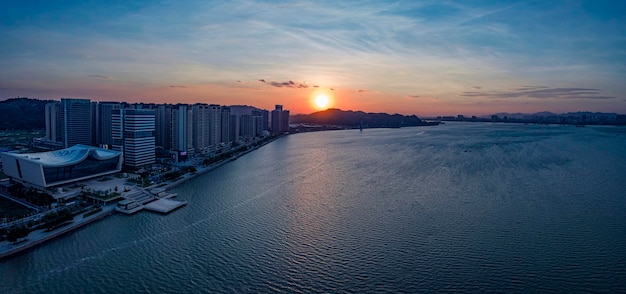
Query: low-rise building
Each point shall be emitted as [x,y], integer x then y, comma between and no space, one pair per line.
[53,168]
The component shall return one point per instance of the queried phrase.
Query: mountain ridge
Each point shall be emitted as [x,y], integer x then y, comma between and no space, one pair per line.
[350,118]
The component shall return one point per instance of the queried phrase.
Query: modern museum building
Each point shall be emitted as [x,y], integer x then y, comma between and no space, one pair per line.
[48,169]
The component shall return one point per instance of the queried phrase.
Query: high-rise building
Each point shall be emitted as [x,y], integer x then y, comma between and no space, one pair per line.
[75,122]
[182,128]
[163,134]
[103,125]
[257,125]
[225,132]
[133,134]
[234,128]
[52,117]
[280,120]
[215,124]
[201,126]
[264,114]
[246,126]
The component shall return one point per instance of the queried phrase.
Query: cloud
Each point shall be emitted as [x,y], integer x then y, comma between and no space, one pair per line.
[177,86]
[316,86]
[413,96]
[239,81]
[541,92]
[287,84]
[530,88]
[361,91]
[100,77]
[477,87]
[332,89]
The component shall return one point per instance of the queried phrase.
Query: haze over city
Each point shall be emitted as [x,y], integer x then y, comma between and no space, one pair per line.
[409,57]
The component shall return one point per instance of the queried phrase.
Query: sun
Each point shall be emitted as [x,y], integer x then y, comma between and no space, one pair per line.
[322,101]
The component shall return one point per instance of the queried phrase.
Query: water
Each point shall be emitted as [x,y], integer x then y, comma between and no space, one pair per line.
[457,207]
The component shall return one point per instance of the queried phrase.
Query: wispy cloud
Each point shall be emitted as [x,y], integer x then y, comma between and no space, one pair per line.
[287,84]
[541,92]
[391,48]
[177,86]
[100,77]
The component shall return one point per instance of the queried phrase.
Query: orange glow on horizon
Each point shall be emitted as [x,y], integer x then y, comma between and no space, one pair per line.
[297,101]
[321,100]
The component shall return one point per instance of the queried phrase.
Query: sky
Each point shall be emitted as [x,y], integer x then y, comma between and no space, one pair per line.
[409,57]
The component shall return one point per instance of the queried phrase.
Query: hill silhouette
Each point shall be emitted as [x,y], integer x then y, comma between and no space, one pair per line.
[23,114]
[351,118]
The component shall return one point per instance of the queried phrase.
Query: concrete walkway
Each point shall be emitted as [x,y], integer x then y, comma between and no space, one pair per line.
[39,236]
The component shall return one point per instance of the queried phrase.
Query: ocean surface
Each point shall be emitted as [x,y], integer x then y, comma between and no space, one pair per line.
[471,207]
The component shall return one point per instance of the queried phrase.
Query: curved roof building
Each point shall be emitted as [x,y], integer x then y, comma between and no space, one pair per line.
[47,169]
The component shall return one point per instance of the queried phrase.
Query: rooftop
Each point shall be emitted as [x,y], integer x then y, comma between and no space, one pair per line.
[68,156]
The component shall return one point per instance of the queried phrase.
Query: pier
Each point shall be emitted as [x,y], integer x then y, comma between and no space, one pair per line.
[158,201]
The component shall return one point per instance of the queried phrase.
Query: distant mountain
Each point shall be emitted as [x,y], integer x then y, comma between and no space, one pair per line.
[242,109]
[547,114]
[355,118]
[23,114]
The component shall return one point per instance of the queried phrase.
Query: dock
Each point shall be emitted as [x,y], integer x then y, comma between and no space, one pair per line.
[164,205]
[157,201]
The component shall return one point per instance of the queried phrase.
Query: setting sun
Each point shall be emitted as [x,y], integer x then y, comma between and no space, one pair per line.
[322,101]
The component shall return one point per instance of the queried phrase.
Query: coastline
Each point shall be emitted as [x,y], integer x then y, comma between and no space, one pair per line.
[38,237]
[41,236]
[208,168]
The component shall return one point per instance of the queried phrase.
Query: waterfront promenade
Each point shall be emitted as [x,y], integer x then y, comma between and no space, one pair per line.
[40,236]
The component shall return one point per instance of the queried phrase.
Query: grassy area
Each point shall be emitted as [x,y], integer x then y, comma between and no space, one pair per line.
[9,138]
[92,212]
[10,209]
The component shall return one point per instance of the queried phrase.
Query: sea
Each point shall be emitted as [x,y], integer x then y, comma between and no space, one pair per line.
[459,207]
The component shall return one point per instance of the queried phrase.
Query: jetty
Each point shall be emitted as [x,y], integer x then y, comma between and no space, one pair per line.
[156,200]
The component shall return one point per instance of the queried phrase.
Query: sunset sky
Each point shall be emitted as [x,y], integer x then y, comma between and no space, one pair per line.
[410,57]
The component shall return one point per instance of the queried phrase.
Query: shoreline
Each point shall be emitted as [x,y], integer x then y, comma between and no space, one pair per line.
[204,170]
[8,249]
[41,236]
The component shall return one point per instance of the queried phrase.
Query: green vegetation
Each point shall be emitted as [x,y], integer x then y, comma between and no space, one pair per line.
[103,195]
[57,219]
[31,195]
[12,210]
[20,140]
[17,232]
[177,174]
[23,114]
[222,156]
[142,181]
[92,212]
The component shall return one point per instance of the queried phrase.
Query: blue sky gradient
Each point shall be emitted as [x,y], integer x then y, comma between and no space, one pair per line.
[423,57]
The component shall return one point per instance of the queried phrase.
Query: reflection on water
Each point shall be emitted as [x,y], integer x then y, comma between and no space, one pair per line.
[470,207]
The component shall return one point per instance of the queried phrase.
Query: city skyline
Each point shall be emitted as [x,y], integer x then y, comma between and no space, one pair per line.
[399,57]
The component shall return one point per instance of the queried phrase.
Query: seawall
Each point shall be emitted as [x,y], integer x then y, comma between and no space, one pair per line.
[76,225]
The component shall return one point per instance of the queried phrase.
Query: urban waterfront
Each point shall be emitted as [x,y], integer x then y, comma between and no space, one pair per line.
[455,207]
